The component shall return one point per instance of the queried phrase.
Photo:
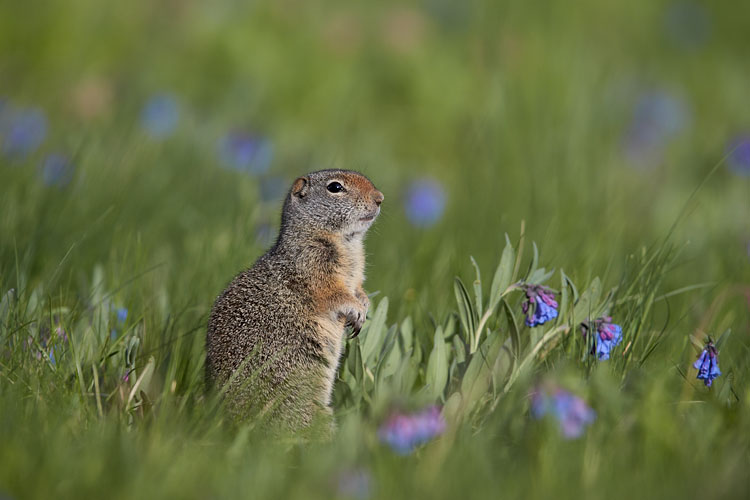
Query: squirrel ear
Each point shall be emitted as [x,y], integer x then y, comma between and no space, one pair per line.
[300,186]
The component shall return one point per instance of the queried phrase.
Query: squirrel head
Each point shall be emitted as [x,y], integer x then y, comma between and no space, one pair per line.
[336,201]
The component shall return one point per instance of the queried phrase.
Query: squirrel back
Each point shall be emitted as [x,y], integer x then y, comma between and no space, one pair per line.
[275,334]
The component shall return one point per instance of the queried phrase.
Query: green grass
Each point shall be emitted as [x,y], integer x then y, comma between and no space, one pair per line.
[519,111]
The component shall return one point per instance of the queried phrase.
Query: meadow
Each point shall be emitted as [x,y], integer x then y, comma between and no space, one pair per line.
[591,159]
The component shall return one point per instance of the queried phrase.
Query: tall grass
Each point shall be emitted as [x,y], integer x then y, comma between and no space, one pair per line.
[523,116]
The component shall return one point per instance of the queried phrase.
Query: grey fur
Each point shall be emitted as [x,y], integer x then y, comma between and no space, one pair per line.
[276,332]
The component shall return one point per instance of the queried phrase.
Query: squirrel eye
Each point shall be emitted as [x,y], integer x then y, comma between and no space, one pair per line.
[335,187]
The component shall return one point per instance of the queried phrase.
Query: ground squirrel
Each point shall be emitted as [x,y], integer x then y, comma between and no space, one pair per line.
[275,334]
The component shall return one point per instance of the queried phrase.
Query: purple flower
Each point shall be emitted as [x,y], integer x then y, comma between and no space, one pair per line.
[707,364]
[540,305]
[56,170]
[61,334]
[122,314]
[425,202]
[607,336]
[658,118]
[739,155]
[24,131]
[246,152]
[404,432]
[160,115]
[572,412]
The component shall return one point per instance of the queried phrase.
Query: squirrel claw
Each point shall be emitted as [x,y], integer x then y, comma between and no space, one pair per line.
[356,325]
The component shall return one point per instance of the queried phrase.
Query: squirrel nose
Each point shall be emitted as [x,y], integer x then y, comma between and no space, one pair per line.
[378,197]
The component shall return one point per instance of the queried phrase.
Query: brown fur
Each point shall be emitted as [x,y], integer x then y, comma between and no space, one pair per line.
[275,335]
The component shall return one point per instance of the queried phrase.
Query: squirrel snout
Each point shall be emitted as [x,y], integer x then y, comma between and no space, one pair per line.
[377,197]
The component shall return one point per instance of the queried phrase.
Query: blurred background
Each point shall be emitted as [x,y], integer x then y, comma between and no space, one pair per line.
[160,137]
[146,147]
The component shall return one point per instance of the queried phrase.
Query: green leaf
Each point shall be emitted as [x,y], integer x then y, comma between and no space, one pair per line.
[586,307]
[534,260]
[515,335]
[540,276]
[478,376]
[142,382]
[391,355]
[392,360]
[465,309]
[452,407]
[569,283]
[450,327]
[477,288]
[459,348]
[723,338]
[376,330]
[407,334]
[407,375]
[6,305]
[354,361]
[503,275]
[564,297]
[528,359]
[437,366]
[505,364]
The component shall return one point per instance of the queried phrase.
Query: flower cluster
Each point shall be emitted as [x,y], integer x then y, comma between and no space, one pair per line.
[404,432]
[47,340]
[540,305]
[607,336]
[707,364]
[572,412]
[23,131]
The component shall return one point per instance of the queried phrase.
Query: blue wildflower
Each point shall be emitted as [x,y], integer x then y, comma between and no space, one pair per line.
[707,364]
[658,118]
[122,315]
[24,132]
[739,155]
[160,115]
[572,412]
[608,335]
[540,305]
[56,170]
[246,152]
[425,202]
[403,432]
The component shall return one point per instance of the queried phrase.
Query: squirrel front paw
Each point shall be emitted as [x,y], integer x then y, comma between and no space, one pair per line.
[363,299]
[354,318]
